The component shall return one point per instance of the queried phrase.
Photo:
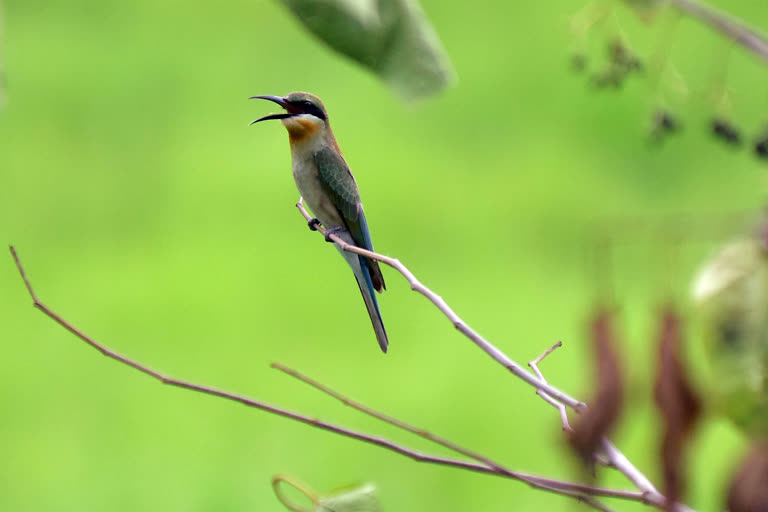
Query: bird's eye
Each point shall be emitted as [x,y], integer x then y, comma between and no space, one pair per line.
[308,103]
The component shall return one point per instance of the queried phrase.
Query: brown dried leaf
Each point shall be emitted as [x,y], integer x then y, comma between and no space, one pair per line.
[678,403]
[605,408]
[749,488]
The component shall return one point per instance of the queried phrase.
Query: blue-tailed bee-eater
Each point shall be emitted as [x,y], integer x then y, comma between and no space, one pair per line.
[329,189]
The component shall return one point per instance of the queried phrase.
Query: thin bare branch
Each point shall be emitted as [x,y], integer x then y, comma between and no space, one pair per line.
[392,421]
[534,364]
[748,37]
[583,493]
[494,466]
[612,456]
[237,398]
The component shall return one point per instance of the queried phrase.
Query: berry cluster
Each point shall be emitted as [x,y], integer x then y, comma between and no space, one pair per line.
[621,64]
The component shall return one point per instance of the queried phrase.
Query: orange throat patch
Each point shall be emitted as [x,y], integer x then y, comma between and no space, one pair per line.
[300,129]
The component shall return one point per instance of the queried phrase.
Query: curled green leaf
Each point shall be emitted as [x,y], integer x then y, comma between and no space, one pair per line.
[392,38]
[363,498]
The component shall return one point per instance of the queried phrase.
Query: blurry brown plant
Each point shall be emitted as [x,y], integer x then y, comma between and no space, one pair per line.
[605,408]
[749,488]
[678,403]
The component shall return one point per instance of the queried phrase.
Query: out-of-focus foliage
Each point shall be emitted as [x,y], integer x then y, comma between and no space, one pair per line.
[392,38]
[731,292]
[360,499]
[748,491]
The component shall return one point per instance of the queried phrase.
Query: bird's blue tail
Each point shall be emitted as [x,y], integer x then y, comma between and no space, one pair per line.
[371,304]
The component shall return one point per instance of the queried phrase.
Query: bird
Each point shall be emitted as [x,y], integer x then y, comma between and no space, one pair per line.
[328,187]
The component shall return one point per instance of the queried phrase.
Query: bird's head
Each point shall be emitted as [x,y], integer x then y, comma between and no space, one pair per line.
[304,118]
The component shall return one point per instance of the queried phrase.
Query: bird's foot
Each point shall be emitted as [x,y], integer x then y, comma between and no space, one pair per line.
[332,231]
[313,223]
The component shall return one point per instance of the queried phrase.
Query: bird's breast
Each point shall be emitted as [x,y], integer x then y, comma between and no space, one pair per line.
[306,176]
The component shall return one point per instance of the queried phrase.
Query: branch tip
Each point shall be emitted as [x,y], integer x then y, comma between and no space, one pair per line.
[23,274]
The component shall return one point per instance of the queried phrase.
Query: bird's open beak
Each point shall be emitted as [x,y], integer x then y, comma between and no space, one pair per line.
[275,99]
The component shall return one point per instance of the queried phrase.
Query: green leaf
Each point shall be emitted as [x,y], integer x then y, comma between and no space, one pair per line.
[392,38]
[360,499]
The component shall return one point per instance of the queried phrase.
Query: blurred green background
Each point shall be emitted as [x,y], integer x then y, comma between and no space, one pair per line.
[150,215]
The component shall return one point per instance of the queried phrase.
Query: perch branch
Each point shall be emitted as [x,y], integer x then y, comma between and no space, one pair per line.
[583,493]
[457,322]
[615,458]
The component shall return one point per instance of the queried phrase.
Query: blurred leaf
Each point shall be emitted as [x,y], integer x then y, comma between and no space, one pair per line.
[604,410]
[361,499]
[393,38]
[353,499]
[749,488]
[731,293]
[678,403]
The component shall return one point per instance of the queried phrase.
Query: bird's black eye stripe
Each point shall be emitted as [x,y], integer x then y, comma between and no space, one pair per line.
[308,107]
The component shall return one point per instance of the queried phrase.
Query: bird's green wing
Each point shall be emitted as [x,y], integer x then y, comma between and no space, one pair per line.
[337,181]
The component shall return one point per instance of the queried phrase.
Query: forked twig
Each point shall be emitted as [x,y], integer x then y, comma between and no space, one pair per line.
[551,401]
